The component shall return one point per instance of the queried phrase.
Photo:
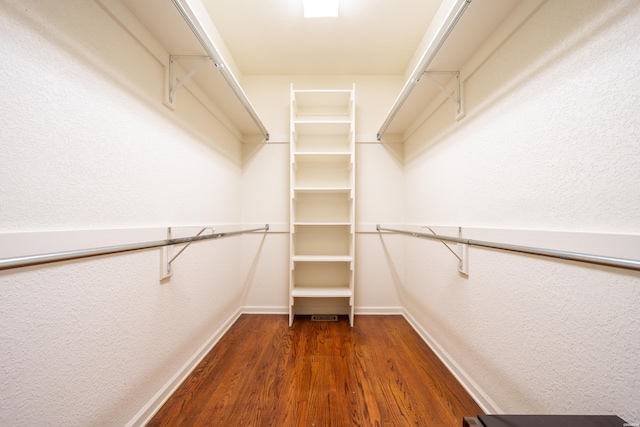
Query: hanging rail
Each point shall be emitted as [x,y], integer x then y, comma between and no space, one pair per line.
[629,264]
[30,260]
[425,61]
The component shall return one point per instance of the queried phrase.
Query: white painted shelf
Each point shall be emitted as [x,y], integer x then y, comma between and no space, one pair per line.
[318,190]
[320,223]
[322,258]
[322,157]
[321,292]
[322,202]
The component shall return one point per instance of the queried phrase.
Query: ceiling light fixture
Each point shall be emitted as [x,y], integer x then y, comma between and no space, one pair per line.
[320,8]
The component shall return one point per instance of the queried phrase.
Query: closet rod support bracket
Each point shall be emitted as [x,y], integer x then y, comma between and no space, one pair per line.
[456,97]
[174,88]
[167,256]
[461,252]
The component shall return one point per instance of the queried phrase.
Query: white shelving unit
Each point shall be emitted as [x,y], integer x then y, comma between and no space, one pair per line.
[322,202]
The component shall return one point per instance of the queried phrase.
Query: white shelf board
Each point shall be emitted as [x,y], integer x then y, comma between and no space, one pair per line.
[316,223]
[345,122]
[316,190]
[316,94]
[322,258]
[322,157]
[321,291]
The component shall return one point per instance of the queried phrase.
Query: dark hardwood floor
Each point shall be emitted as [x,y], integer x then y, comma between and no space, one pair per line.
[263,373]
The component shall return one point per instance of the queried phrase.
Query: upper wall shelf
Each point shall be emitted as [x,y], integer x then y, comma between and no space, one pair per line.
[466,35]
[184,29]
[197,18]
[434,46]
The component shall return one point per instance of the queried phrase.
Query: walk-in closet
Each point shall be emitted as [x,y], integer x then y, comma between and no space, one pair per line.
[253,212]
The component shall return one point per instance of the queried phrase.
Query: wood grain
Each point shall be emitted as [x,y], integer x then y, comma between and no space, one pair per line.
[263,373]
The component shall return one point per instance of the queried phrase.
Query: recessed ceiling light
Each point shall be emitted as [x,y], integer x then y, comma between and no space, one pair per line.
[320,8]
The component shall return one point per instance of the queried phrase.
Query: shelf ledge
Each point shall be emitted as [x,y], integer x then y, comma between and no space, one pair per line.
[321,292]
[322,258]
[321,223]
[331,190]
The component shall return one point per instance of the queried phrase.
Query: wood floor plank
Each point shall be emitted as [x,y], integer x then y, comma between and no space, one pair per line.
[263,373]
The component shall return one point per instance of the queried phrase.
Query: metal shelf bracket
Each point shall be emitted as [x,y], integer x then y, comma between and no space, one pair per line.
[456,98]
[174,88]
[168,257]
[462,251]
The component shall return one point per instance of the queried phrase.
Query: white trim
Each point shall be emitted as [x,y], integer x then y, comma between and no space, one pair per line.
[587,242]
[370,227]
[256,309]
[151,408]
[361,311]
[474,390]
[378,311]
[25,243]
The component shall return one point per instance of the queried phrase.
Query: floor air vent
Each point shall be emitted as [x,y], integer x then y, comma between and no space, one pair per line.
[324,318]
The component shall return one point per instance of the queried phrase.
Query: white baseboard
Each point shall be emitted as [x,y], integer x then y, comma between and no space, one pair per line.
[256,309]
[380,311]
[481,398]
[149,410]
[253,309]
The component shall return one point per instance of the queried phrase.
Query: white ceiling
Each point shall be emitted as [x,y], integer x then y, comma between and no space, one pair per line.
[271,37]
[369,37]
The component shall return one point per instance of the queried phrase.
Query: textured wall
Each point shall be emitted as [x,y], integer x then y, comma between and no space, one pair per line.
[550,142]
[86,143]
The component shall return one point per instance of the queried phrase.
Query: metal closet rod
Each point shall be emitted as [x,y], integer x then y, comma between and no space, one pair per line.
[31,260]
[629,264]
[200,32]
[425,61]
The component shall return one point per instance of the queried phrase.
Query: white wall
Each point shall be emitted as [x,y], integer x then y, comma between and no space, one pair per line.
[265,199]
[550,142]
[86,143]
